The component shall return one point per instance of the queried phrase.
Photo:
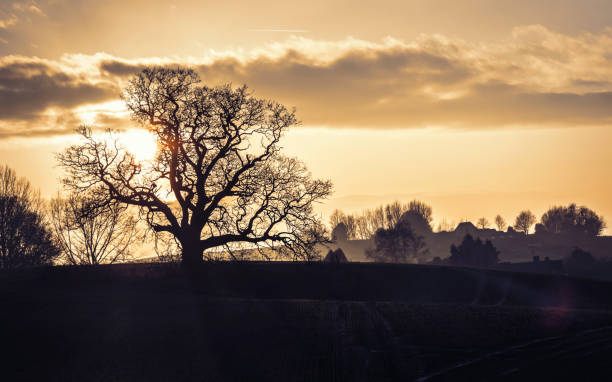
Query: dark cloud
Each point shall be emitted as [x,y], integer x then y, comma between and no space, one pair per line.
[406,87]
[120,69]
[504,105]
[27,89]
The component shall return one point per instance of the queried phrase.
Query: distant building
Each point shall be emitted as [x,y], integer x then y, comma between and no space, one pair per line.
[466,228]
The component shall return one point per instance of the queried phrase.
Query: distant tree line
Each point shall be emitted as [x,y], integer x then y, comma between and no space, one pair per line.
[364,225]
[77,230]
[572,219]
[395,230]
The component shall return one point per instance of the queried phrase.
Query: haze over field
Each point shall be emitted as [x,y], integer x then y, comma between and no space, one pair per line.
[476,107]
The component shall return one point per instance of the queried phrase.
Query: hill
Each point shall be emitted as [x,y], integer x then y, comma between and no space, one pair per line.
[290,322]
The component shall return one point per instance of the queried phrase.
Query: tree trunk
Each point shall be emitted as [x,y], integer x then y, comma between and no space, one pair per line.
[192,253]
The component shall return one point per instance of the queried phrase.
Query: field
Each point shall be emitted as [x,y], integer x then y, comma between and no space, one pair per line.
[300,322]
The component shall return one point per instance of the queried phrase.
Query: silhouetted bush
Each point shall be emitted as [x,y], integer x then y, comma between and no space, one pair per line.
[474,253]
[335,257]
[580,260]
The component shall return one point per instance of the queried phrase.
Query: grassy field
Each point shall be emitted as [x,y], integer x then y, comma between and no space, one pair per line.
[283,321]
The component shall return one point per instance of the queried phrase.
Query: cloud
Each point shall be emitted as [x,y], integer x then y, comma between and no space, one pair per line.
[12,13]
[8,20]
[29,88]
[538,78]
[119,68]
[38,95]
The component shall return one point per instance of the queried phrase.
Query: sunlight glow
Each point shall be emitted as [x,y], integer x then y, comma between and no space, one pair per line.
[140,143]
[95,114]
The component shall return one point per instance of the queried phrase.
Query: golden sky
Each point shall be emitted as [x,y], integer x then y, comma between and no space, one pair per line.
[476,107]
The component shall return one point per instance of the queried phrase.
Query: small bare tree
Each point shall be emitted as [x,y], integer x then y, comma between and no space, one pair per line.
[88,234]
[524,221]
[500,223]
[482,223]
[446,226]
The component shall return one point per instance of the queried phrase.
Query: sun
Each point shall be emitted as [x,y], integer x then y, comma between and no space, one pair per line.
[139,143]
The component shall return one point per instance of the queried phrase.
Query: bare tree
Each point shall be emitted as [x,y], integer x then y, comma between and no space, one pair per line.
[24,237]
[218,162]
[424,210]
[524,221]
[378,218]
[482,223]
[356,228]
[500,223]
[446,226]
[88,235]
[399,244]
[351,226]
[336,218]
[364,225]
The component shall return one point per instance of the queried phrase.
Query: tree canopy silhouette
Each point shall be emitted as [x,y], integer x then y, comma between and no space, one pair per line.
[474,253]
[218,181]
[24,237]
[579,261]
[573,219]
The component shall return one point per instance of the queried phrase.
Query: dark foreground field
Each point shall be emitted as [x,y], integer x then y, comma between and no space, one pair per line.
[301,322]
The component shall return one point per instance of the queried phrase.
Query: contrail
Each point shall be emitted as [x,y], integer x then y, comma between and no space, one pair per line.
[280,30]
